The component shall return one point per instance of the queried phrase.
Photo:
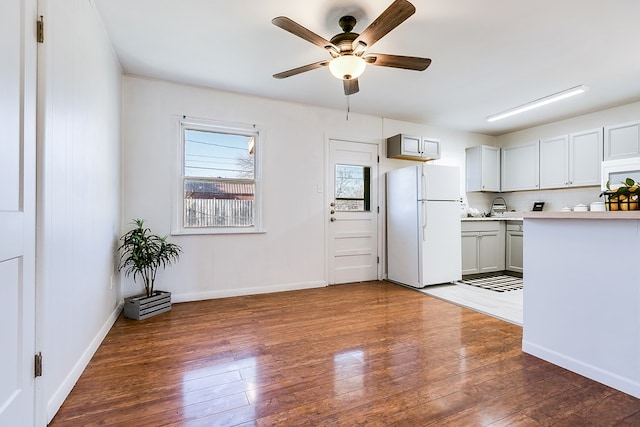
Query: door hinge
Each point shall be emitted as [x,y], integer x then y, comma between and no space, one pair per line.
[38,365]
[378,260]
[41,29]
[378,159]
[378,209]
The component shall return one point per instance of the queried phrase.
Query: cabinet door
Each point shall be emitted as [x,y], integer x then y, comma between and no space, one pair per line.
[514,251]
[482,168]
[491,251]
[622,141]
[430,148]
[406,147]
[490,168]
[554,162]
[411,146]
[470,252]
[520,167]
[585,158]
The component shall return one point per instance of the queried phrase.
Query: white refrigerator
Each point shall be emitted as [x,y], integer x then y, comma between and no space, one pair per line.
[423,225]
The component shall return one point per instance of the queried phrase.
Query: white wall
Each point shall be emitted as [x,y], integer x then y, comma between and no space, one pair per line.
[80,89]
[292,252]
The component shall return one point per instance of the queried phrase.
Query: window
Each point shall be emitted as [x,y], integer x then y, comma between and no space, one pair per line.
[219,189]
[353,188]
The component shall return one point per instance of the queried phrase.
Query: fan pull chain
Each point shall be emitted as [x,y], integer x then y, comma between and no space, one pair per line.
[348,107]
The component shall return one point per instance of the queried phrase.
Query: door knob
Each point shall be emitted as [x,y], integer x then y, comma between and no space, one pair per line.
[332,212]
[332,219]
[332,204]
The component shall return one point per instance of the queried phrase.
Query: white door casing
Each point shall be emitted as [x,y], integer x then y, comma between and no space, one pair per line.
[352,231]
[18,53]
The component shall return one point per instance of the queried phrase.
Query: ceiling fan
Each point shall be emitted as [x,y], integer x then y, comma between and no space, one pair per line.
[348,50]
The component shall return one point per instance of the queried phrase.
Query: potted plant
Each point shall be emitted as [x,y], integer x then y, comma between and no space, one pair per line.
[624,197]
[141,254]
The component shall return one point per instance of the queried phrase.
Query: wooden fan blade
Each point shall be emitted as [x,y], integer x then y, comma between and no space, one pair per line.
[398,61]
[351,86]
[302,69]
[395,15]
[302,32]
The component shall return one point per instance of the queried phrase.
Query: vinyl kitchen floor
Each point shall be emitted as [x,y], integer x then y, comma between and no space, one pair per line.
[503,305]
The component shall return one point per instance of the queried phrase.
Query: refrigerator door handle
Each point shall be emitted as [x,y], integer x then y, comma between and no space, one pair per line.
[424,221]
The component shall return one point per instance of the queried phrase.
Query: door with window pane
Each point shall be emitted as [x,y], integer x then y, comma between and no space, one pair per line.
[353,211]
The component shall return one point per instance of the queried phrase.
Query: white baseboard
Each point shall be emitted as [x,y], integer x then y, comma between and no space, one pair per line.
[199,296]
[58,397]
[625,385]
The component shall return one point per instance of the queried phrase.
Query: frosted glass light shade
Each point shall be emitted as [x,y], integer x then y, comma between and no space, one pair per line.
[347,67]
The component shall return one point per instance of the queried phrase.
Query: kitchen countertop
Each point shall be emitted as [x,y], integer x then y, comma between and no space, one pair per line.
[517,217]
[576,215]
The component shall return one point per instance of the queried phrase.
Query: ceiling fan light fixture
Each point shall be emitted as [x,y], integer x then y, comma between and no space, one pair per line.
[577,90]
[347,67]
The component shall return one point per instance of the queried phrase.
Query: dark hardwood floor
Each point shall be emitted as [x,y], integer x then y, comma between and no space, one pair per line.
[360,354]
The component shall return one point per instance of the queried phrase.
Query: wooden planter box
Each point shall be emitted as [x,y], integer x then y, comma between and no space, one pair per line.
[141,306]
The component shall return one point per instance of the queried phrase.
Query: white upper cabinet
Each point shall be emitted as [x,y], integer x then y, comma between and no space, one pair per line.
[585,158]
[520,167]
[554,162]
[571,160]
[411,147]
[622,141]
[482,168]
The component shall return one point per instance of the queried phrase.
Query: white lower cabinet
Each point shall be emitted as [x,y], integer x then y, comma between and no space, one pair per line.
[491,245]
[483,248]
[514,246]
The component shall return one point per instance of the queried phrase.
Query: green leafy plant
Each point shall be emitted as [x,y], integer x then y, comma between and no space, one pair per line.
[627,188]
[142,253]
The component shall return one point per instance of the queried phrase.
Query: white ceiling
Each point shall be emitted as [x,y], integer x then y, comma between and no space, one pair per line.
[488,55]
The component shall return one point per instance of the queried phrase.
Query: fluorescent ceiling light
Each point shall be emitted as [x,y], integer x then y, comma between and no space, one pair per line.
[539,102]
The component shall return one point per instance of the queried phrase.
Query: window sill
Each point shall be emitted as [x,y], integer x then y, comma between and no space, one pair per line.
[210,231]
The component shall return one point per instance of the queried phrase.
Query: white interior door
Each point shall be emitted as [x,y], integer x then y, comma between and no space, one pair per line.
[17,211]
[353,211]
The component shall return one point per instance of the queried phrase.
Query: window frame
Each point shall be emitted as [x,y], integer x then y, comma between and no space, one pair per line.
[183,123]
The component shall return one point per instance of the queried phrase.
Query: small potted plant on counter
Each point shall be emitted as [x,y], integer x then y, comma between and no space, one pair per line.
[141,254]
[625,197]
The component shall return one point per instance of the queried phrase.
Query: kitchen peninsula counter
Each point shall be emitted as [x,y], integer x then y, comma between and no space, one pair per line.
[575,215]
[581,298]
